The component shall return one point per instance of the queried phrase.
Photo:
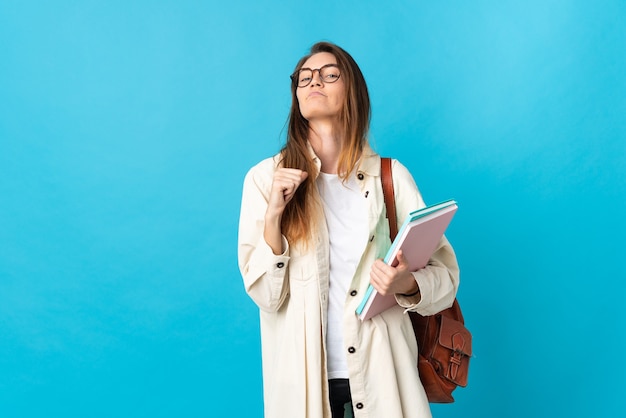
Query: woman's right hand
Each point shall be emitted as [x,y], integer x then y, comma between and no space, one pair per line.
[284,185]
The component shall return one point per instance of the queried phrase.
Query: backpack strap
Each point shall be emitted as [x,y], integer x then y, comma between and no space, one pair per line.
[389,195]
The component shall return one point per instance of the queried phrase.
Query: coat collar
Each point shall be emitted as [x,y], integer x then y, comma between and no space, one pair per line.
[369,163]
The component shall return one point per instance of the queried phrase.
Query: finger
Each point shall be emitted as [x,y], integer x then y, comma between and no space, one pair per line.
[295,171]
[402,261]
[288,192]
[375,282]
[382,268]
[292,174]
[282,184]
[381,274]
[288,181]
[380,284]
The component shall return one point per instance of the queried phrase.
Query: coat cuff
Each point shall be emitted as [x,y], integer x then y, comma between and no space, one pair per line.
[277,263]
[409,302]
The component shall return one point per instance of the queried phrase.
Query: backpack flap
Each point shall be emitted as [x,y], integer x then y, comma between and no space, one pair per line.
[456,342]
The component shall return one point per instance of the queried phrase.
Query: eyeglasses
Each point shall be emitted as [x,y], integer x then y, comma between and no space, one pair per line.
[328,73]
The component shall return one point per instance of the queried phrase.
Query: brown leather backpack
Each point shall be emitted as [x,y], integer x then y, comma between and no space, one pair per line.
[445,345]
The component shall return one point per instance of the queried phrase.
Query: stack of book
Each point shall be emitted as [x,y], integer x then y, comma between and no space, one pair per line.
[418,238]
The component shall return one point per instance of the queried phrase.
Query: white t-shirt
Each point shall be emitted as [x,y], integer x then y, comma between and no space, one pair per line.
[346,218]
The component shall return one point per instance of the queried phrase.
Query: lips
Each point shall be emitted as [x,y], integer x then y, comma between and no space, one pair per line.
[315,94]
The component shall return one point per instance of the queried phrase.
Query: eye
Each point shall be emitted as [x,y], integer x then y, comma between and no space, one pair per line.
[330,74]
[305,76]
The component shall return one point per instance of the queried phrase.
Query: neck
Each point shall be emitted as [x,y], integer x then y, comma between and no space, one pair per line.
[326,144]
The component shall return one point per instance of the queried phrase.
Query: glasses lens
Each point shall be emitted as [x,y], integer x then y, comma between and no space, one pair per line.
[329,74]
[304,77]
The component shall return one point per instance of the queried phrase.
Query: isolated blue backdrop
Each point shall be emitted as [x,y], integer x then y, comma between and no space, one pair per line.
[126,129]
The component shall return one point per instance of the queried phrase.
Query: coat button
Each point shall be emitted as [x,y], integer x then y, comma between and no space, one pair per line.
[280,265]
[353,293]
[351,350]
[360,176]
[359,405]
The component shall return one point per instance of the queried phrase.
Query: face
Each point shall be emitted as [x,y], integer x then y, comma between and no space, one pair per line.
[319,100]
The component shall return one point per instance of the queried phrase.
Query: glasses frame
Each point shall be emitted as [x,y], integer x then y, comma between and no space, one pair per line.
[295,76]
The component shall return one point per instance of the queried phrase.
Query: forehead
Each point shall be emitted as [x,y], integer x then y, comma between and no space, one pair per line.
[320,59]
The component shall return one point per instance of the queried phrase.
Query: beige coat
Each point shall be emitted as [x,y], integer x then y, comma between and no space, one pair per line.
[291,291]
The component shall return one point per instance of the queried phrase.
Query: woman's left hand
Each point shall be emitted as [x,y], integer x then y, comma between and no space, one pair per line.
[389,280]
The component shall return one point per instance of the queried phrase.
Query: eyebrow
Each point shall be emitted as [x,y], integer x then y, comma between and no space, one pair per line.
[325,65]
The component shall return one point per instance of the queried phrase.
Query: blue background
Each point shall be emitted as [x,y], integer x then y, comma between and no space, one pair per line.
[126,129]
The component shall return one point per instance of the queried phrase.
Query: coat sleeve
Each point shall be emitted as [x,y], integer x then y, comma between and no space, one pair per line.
[264,273]
[439,280]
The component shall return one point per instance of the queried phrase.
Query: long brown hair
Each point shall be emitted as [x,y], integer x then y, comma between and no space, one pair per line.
[354,119]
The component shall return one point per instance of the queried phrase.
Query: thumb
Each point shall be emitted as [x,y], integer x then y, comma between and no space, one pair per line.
[303,176]
[402,261]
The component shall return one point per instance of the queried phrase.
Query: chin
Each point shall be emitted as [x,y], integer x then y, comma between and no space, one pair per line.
[319,115]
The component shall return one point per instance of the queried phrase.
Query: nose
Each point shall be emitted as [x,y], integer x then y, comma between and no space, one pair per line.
[316,81]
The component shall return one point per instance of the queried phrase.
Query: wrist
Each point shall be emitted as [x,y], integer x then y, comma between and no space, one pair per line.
[273,219]
[408,295]
[414,290]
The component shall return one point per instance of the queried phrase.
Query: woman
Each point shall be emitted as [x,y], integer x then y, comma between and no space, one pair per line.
[312,231]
